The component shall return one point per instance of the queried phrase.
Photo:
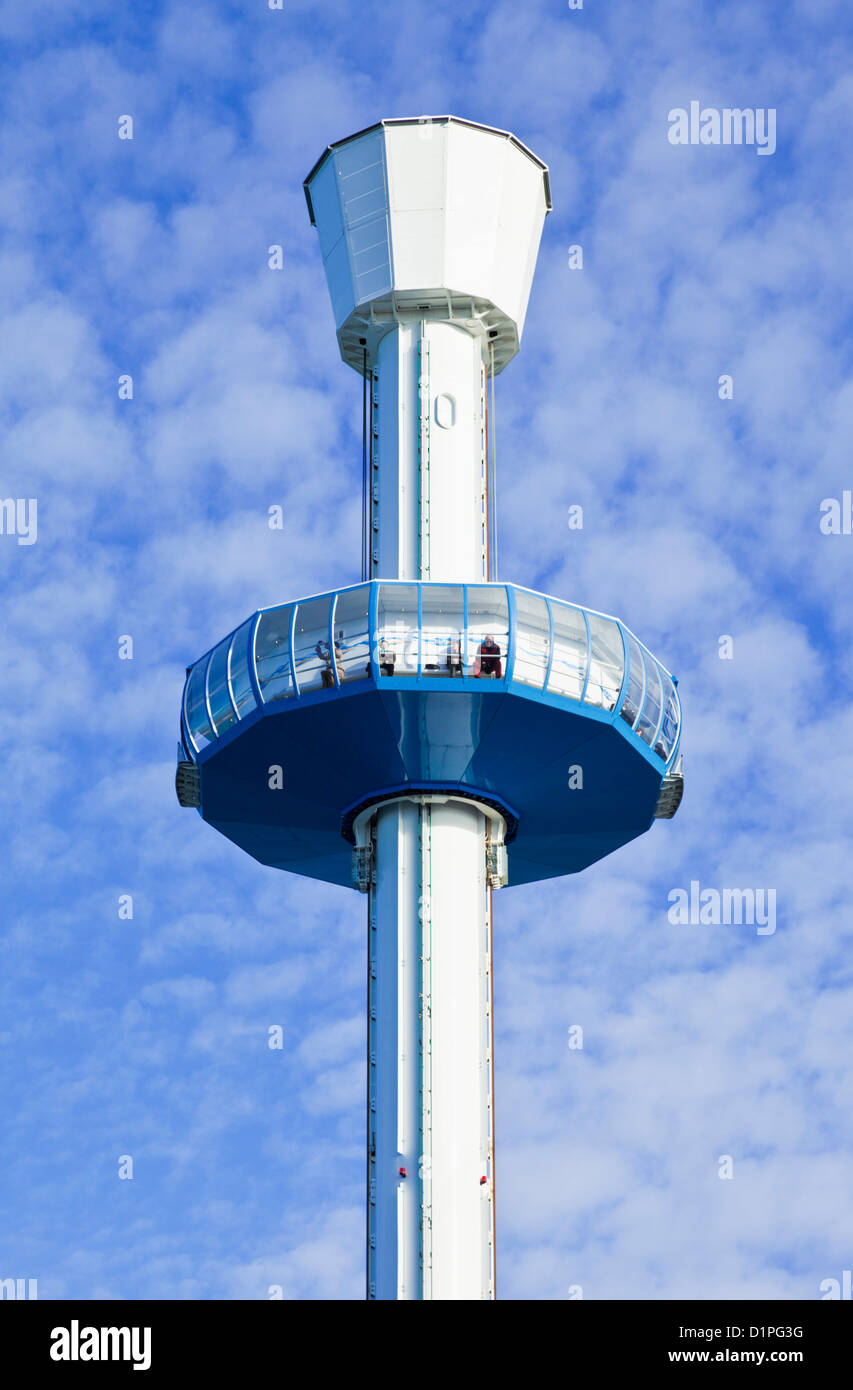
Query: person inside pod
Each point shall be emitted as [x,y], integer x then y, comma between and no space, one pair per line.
[490,658]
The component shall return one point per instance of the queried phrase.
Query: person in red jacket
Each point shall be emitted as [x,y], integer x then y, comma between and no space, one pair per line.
[490,658]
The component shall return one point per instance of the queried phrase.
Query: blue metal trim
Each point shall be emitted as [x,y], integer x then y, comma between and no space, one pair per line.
[550,642]
[657,727]
[185,744]
[626,670]
[207,695]
[373,627]
[291,641]
[333,603]
[251,657]
[674,754]
[512,620]
[228,676]
[420,630]
[588,655]
[636,724]
[464,632]
[185,723]
[433,682]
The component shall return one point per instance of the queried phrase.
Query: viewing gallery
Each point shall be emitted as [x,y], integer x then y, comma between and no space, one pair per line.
[399,634]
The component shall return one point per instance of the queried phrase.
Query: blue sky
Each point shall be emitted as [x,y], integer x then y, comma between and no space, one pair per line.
[701,518]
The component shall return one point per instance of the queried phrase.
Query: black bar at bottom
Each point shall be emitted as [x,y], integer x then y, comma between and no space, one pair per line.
[164,1338]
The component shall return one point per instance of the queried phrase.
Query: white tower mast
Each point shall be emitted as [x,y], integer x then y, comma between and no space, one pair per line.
[429,231]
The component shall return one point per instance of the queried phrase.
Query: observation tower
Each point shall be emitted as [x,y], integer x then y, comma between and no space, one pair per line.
[429,734]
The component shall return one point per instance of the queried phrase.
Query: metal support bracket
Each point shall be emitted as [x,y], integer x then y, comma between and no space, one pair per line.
[497,871]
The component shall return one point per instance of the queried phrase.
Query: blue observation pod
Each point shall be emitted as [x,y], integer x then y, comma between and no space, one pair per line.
[314,710]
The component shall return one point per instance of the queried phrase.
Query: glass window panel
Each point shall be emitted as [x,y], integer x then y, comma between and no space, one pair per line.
[352,648]
[568,666]
[272,653]
[397,630]
[651,706]
[241,684]
[488,631]
[532,638]
[197,719]
[634,694]
[668,736]
[217,689]
[442,628]
[607,662]
[311,654]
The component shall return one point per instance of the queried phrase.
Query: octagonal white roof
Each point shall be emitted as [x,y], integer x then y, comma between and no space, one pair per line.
[430,213]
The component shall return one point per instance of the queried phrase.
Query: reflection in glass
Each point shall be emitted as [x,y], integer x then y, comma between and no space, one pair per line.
[241,684]
[607,662]
[668,736]
[311,655]
[349,624]
[488,631]
[397,632]
[217,689]
[442,622]
[650,717]
[198,722]
[272,653]
[568,666]
[636,682]
[532,638]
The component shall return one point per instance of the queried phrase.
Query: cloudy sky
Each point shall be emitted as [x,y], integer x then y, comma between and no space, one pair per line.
[148,1037]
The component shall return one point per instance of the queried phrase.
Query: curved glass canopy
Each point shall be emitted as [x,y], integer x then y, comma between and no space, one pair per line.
[426,634]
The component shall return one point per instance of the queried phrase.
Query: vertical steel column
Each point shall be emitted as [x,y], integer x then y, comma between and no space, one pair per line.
[430,503]
[430,1179]
[430,1184]
[394,1268]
